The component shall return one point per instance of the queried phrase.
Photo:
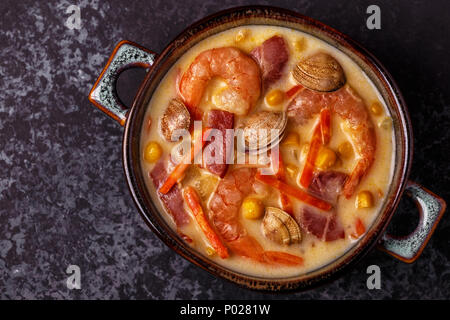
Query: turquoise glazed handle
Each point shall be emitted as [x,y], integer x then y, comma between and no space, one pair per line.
[431,208]
[103,94]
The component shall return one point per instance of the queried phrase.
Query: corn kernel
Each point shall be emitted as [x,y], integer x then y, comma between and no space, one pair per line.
[291,139]
[364,199]
[210,251]
[376,108]
[152,152]
[345,150]
[326,158]
[292,170]
[241,35]
[275,97]
[252,208]
[300,44]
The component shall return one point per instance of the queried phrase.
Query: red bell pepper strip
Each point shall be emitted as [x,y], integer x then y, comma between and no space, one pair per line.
[360,229]
[192,199]
[180,168]
[293,191]
[292,91]
[325,125]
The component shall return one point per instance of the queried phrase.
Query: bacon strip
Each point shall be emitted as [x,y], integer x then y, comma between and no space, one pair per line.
[172,200]
[271,56]
[220,120]
[327,185]
[325,225]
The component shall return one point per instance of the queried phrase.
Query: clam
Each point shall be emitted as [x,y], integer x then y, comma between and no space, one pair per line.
[175,117]
[320,72]
[263,130]
[280,227]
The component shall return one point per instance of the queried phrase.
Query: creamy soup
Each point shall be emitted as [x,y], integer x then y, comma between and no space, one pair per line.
[335,146]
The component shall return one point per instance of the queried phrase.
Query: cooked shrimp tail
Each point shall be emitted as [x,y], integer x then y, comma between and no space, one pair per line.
[248,247]
[348,105]
[224,214]
[240,72]
[355,177]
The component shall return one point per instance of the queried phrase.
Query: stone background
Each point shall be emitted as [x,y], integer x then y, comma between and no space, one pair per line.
[63,196]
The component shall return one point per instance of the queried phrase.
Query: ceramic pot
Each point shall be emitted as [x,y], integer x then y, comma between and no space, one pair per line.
[127,55]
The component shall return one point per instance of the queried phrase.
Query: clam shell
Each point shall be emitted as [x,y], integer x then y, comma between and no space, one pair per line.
[280,227]
[320,72]
[175,117]
[258,130]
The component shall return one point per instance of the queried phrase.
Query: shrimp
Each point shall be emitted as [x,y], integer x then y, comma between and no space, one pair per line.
[346,103]
[224,215]
[240,72]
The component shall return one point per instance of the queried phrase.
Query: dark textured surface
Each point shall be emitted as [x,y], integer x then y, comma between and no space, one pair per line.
[63,196]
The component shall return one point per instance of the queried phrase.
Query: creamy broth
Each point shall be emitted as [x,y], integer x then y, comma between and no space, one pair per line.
[315,252]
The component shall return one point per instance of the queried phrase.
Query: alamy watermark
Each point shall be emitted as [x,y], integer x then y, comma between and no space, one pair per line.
[374,20]
[74,20]
[258,147]
[74,280]
[374,280]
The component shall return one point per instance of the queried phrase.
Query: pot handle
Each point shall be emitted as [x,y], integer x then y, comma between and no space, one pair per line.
[431,208]
[103,94]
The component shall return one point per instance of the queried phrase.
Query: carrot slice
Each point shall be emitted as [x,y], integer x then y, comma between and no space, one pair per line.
[192,199]
[292,91]
[314,147]
[173,177]
[279,257]
[148,126]
[321,135]
[293,191]
[286,204]
[360,229]
[180,168]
